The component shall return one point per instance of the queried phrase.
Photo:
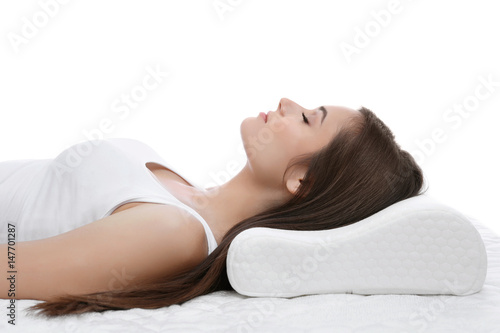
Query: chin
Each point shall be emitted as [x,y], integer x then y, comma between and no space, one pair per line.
[249,127]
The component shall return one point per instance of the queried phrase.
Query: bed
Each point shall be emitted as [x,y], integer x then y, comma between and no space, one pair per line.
[228,311]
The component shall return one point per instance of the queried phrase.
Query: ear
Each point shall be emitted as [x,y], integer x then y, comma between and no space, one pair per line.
[294,179]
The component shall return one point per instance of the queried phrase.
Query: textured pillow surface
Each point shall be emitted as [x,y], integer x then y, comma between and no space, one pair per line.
[416,246]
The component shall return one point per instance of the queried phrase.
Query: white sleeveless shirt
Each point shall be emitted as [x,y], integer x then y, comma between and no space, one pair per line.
[86,182]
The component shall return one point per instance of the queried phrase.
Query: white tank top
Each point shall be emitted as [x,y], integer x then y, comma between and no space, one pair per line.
[86,182]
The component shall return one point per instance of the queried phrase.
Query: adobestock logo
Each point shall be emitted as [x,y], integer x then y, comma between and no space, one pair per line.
[223,6]
[40,19]
[425,315]
[263,308]
[121,106]
[264,136]
[363,36]
[454,117]
[296,274]
[256,143]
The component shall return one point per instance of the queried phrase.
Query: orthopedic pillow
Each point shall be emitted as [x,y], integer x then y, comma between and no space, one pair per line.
[416,246]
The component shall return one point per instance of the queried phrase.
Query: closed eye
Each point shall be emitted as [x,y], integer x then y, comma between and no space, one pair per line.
[305,118]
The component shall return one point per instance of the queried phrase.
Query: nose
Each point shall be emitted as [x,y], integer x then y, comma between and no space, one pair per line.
[288,106]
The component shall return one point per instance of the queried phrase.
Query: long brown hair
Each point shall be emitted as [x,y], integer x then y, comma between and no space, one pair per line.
[360,172]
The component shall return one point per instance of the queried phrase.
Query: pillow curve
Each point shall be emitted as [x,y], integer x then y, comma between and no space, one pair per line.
[416,246]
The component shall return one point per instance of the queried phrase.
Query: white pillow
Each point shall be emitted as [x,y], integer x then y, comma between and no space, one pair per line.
[416,246]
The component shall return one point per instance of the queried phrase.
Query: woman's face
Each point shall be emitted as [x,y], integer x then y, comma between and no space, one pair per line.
[271,141]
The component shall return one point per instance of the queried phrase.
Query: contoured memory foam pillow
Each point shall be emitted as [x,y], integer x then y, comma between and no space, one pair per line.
[416,246]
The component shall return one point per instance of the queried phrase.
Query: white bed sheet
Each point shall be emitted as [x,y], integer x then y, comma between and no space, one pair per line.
[227,311]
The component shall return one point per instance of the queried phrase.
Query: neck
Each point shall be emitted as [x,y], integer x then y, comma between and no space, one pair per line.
[241,197]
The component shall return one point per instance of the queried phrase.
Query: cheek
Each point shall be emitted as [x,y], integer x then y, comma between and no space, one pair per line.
[276,148]
[272,143]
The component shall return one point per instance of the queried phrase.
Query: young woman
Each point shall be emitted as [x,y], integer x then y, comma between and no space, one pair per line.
[134,233]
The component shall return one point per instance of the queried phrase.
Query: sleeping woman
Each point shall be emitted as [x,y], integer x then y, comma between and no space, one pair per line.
[109,225]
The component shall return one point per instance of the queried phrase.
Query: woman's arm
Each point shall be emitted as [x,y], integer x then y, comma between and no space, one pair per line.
[145,241]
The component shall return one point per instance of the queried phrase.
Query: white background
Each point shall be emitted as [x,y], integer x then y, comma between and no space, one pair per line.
[61,79]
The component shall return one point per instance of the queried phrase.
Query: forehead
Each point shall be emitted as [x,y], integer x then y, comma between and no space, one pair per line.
[339,113]
[340,109]
[336,117]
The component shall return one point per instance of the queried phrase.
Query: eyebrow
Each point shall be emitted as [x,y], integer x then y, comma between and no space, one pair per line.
[322,108]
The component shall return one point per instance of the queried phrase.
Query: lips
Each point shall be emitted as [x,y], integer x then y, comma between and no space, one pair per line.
[264,116]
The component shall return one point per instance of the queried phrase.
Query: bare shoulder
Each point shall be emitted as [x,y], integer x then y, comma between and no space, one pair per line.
[166,238]
[181,226]
[166,228]
[145,242]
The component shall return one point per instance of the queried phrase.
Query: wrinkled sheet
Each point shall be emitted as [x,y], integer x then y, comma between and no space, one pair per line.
[227,311]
